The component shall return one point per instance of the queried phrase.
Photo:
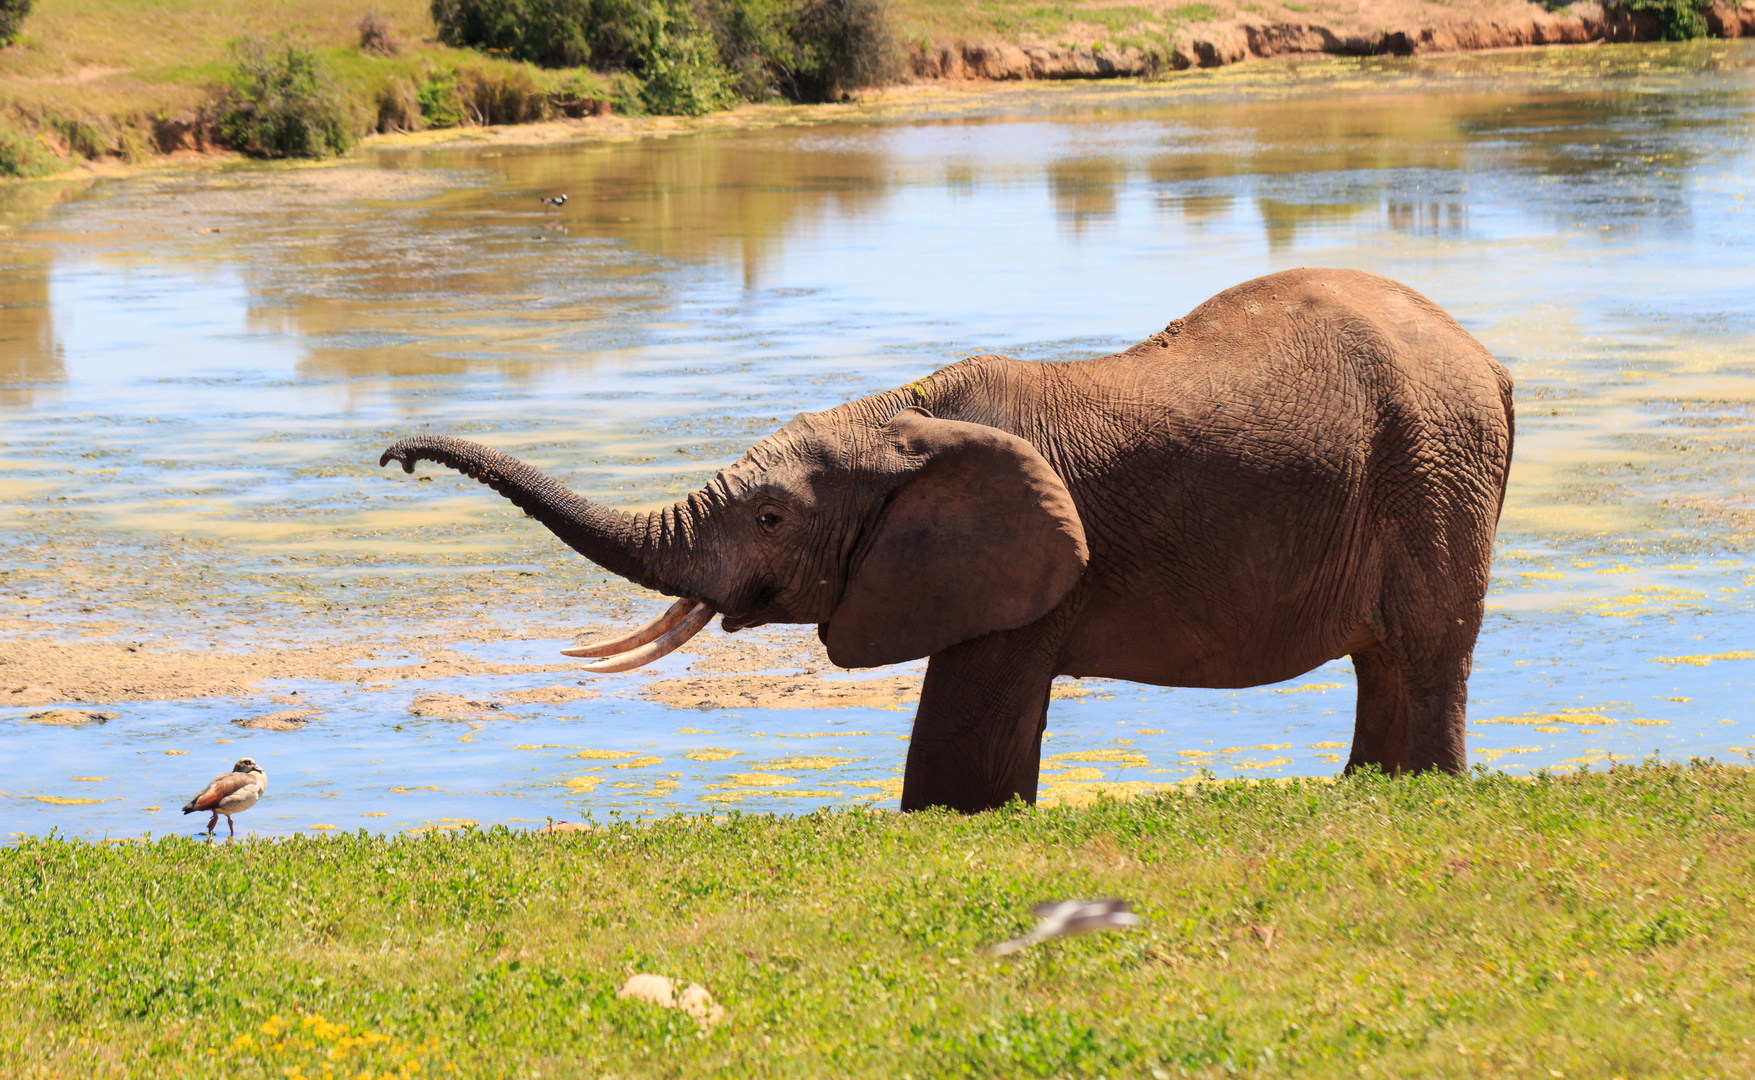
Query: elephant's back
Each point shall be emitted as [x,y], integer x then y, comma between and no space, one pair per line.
[1326,352]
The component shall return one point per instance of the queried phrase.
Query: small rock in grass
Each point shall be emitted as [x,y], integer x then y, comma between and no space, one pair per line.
[71,717]
[291,720]
[694,999]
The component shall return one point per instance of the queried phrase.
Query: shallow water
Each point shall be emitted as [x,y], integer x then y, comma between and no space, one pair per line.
[198,370]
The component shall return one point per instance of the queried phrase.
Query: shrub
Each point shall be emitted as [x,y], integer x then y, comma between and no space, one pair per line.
[756,40]
[375,36]
[666,45]
[814,50]
[12,13]
[690,59]
[23,156]
[1678,20]
[441,103]
[399,107]
[842,45]
[282,102]
[506,96]
[84,138]
[132,145]
[551,33]
[663,42]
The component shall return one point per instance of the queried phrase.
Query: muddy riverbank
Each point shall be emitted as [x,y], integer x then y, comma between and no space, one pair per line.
[1372,28]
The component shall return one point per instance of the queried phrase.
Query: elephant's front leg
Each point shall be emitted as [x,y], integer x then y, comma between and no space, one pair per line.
[978,734]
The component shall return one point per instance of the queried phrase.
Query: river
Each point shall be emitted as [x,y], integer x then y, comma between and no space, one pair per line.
[199,367]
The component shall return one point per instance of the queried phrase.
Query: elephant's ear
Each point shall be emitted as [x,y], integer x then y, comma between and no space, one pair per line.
[982,536]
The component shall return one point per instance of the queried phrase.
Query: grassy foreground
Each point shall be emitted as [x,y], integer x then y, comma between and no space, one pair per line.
[1595,926]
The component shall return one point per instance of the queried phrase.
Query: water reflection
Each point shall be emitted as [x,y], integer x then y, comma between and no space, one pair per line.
[1085,188]
[30,351]
[1430,218]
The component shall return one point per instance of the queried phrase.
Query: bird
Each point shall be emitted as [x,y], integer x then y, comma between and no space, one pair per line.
[1070,917]
[230,793]
[556,201]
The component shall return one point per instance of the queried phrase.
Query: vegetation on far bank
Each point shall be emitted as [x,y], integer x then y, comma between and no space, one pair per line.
[110,79]
[1589,926]
[125,79]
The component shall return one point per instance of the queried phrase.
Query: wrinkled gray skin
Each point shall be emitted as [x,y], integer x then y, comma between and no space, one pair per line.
[1309,465]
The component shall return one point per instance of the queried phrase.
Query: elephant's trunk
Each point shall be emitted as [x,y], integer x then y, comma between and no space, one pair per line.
[647,549]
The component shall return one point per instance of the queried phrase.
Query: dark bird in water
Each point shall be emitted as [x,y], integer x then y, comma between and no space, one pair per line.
[556,201]
[1071,917]
[232,793]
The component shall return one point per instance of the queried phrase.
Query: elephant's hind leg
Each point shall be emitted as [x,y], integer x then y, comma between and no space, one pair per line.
[1380,725]
[1438,696]
[1413,700]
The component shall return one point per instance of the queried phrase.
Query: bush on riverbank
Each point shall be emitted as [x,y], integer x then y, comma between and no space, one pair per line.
[662,42]
[282,101]
[691,59]
[814,50]
[1595,926]
[23,156]
[1678,20]
[12,13]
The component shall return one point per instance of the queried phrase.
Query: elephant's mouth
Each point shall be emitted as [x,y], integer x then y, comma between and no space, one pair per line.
[759,608]
[660,637]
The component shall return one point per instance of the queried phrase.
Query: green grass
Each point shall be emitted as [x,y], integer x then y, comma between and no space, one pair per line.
[1596,926]
[1073,22]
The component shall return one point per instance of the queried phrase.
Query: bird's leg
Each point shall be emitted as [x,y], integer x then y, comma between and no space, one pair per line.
[212,822]
[231,824]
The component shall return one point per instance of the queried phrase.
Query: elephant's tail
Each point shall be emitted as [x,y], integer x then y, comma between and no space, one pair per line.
[1505,400]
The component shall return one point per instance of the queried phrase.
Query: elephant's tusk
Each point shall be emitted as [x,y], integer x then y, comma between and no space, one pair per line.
[653,630]
[665,645]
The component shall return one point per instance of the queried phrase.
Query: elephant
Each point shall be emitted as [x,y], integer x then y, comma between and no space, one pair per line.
[1307,466]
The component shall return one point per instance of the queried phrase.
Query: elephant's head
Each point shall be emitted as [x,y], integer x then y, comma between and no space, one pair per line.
[898,533]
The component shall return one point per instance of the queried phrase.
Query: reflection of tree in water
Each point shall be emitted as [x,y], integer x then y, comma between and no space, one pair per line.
[1307,163]
[1584,157]
[494,281]
[1282,221]
[1084,188]
[1609,157]
[1428,218]
[29,350]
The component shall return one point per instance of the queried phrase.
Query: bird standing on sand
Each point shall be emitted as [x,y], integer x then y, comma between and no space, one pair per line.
[556,201]
[232,793]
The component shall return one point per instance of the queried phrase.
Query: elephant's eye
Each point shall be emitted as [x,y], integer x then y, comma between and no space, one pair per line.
[768,520]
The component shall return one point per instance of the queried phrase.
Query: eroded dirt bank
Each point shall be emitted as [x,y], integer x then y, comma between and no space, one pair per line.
[1372,28]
